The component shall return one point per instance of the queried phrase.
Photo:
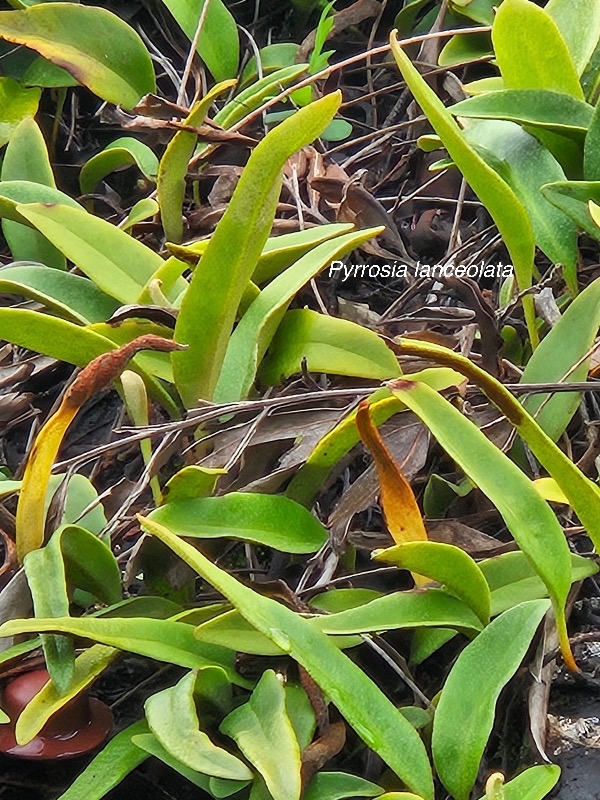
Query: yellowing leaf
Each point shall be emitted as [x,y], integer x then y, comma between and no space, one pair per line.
[400,509]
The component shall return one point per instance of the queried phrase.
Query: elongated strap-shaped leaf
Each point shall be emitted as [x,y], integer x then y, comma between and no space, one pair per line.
[162,639]
[254,332]
[573,197]
[173,719]
[269,520]
[579,24]
[263,731]
[113,763]
[218,45]
[541,108]
[506,209]
[75,37]
[328,344]
[18,103]
[565,345]
[446,564]
[583,494]
[311,477]
[526,165]
[399,505]
[430,608]
[123,152]
[358,699]
[533,784]
[209,307]
[465,713]
[530,51]
[14,193]
[26,159]
[118,264]
[69,296]
[88,666]
[529,518]
[339,785]
[170,186]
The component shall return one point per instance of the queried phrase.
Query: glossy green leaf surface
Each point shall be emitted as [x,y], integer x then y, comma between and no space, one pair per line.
[161,639]
[591,150]
[445,564]
[468,700]
[120,154]
[170,187]
[173,719]
[107,769]
[209,307]
[74,37]
[13,193]
[579,24]
[256,329]
[572,197]
[331,345]
[536,108]
[54,289]
[564,347]
[264,733]
[26,159]
[270,520]
[17,103]
[218,45]
[533,784]
[504,206]
[526,165]
[339,785]
[357,698]
[530,50]
[88,666]
[118,264]
[402,610]
[529,518]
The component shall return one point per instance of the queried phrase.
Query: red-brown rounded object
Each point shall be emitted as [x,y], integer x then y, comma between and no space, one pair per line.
[82,725]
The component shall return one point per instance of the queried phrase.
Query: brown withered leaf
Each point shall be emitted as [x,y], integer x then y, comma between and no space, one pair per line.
[400,510]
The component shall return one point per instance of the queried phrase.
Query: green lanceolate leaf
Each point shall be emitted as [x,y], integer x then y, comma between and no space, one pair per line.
[563,357]
[358,699]
[54,289]
[328,344]
[123,152]
[269,520]
[13,193]
[75,36]
[170,187]
[536,108]
[591,151]
[218,45]
[579,24]
[530,51]
[526,165]
[573,197]
[48,701]
[17,103]
[118,264]
[209,307]
[263,731]
[339,785]
[113,763]
[529,518]
[254,332]
[26,159]
[173,719]
[311,477]
[445,564]
[468,700]
[162,639]
[533,784]
[402,610]
[506,209]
